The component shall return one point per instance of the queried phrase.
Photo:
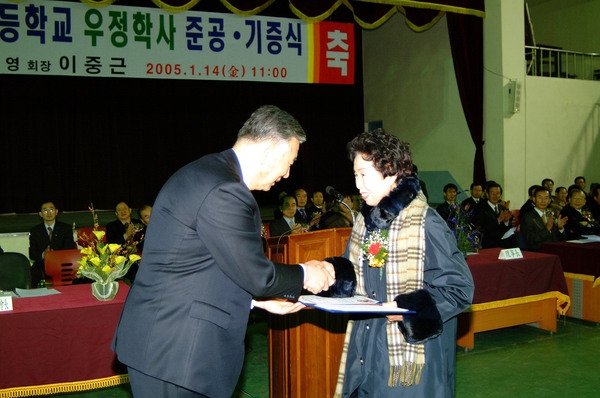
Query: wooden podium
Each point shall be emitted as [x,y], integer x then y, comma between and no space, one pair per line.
[305,347]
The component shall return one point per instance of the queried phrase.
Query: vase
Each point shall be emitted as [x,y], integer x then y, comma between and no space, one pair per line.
[105,291]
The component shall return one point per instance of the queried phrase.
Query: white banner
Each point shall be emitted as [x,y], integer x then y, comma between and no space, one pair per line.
[72,39]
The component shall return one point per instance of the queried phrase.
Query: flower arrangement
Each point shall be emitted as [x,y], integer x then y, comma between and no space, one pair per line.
[104,262]
[375,248]
[468,237]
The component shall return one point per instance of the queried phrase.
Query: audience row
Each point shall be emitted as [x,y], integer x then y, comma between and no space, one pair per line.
[569,214]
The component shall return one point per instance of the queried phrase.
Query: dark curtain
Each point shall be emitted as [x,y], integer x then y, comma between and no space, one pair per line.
[76,140]
[466,42]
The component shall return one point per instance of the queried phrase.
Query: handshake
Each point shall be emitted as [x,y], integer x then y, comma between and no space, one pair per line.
[333,277]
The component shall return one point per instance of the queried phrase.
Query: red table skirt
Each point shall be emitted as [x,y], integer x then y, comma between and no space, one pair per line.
[576,258]
[535,273]
[62,338]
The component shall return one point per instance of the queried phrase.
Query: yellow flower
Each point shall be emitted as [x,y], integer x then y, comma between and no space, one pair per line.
[113,247]
[377,262]
[106,268]
[99,234]
[119,260]
[95,260]
[82,262]
[134,257]
[86,251]
[101,249]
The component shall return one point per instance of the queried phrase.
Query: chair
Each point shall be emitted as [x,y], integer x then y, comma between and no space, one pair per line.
[61,266]
[87,231]
[15,271]
[516,217]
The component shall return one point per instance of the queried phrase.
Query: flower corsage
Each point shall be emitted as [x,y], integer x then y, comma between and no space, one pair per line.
[375,248]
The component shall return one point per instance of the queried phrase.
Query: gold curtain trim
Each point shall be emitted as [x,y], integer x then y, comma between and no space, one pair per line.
[428,5]
[590,278]
[563,302]
[397,6]
[249,13]
[62,388]
[98,3]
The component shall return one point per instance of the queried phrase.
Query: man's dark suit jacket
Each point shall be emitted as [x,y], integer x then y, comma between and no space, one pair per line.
[445,211]
[575,228]
[116,229]
[279,226]
[535,232]
[185,317]
[491,230]
[526,208]
[472,204]
[62,239]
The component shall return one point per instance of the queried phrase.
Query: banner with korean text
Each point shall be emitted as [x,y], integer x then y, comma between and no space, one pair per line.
[40,37]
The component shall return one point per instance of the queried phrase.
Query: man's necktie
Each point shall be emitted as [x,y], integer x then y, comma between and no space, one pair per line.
[544,219]
[50,233]
[303,213]
[496,210]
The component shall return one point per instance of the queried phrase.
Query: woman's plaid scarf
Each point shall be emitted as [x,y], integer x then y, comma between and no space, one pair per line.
[403,213]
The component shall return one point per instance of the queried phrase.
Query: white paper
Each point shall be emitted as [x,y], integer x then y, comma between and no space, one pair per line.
[586,239]
[356,304]
[35,292]
[509,232]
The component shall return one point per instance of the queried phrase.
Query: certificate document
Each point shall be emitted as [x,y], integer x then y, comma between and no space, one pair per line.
[355,304]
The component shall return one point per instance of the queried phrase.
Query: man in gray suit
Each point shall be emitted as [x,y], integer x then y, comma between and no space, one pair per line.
[184,321]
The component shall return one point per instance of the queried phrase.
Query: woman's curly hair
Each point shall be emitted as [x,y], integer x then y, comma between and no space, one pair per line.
[389,155]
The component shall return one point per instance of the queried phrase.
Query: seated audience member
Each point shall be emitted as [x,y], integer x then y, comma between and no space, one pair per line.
[559,201]
[595,203]
[580,182]
[317,203]
[529,204]
[276,211]
[475,198]
[590,202]
[144,213]
[50,235]
[446,209]
[580,220]
[357,202]
[494,219]
[339,215]
[421,182]
[301,201]
[123,229]
[540,225]
[548,183]
[287,223]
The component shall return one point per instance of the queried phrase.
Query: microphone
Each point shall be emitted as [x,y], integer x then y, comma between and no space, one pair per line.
[331,191]
[340,198]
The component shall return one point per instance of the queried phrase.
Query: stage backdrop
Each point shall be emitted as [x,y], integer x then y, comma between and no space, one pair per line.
[77,139]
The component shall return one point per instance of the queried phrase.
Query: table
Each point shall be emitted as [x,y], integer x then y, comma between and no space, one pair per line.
[60,343]
[513,292]
[581,263]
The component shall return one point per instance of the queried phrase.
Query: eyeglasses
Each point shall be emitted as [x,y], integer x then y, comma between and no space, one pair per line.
[46,211]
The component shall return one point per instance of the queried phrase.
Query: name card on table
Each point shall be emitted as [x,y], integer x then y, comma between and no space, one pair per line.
[6,303]
[510,254]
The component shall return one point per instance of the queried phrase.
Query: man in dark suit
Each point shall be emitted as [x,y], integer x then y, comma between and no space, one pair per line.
[184,321]
[494,220]
[538,226]
[471,202]
[529,205]
[124,228]
[447,209]
[50,235]
[580,220]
